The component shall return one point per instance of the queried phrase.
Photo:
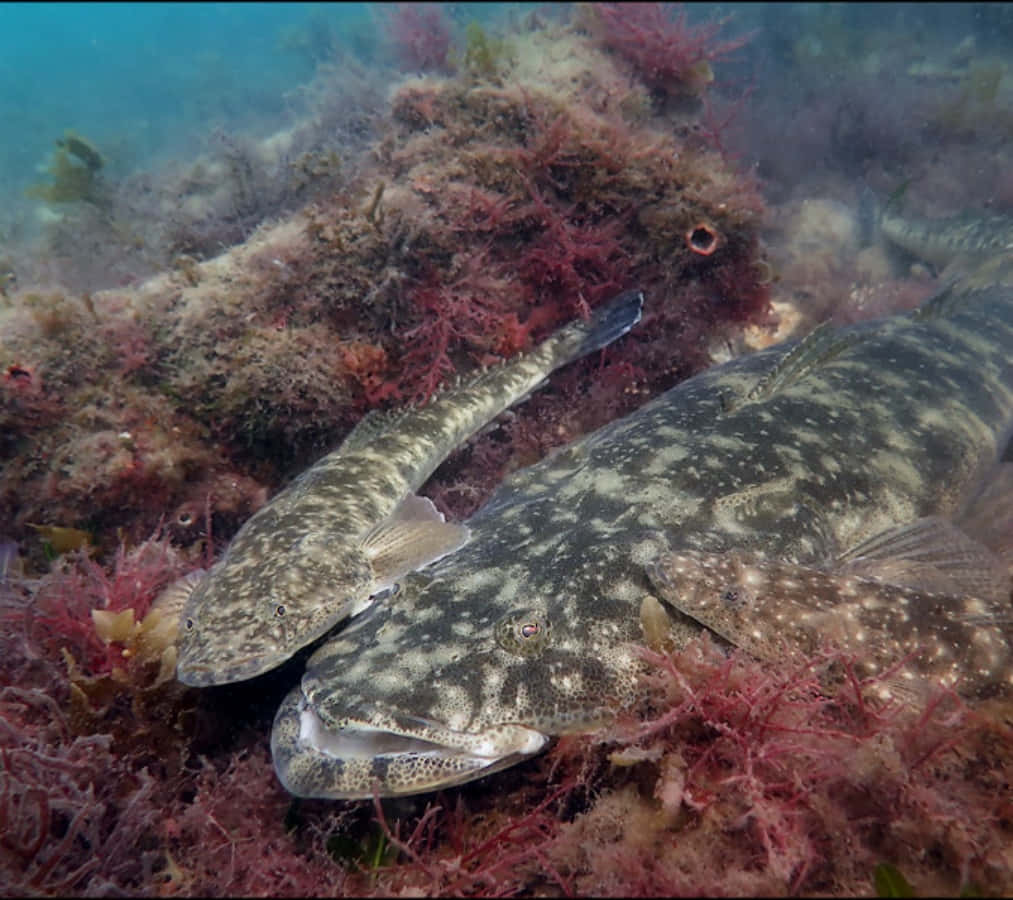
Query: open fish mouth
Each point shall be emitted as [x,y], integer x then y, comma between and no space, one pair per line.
[390,756]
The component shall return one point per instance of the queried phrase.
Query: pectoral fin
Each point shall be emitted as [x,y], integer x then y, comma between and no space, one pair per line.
[932,555]
[414,536]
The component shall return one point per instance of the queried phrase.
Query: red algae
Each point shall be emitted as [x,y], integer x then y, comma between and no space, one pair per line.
[729,776]
[671,55]
[102,789]
[420,35]
[492,207]
[769,782]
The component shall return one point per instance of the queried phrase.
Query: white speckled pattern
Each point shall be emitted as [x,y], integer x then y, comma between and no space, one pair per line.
[789,464]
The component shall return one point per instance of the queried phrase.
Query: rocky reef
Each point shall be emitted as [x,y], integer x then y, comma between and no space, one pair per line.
[505,182]
[496,204]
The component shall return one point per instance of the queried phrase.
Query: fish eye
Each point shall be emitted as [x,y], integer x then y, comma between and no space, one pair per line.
[735,598]
[279,610]
[185,519]
[524,632]
[189,624]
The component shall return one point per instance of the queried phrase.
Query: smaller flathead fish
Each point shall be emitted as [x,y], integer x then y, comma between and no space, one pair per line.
[771,608]
[350,526]
[941,241]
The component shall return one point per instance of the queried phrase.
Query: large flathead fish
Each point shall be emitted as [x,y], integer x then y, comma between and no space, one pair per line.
[755,499]
[351,525]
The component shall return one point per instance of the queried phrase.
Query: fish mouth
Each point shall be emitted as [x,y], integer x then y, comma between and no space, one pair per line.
[389,756]
[196,674]
[193,667]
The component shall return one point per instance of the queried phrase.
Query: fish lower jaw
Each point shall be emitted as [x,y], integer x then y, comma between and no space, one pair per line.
[386,755]
[368,742]
[204,675]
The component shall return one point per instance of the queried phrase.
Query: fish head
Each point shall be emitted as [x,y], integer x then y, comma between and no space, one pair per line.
[243,619]
[717,590]
[447,686]
[767,607]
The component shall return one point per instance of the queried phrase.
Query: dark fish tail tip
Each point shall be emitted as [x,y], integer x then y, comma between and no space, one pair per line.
[611,321]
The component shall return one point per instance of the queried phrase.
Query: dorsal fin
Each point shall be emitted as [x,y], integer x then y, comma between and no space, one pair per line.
[820,345]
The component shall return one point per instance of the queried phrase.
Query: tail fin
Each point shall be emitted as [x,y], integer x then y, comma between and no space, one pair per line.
[871,212]
[607,323]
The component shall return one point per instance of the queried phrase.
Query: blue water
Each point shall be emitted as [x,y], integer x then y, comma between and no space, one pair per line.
[145,80]
[154,85]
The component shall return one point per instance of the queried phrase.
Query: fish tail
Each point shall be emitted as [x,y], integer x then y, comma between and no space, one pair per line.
[606,324]
[869,215]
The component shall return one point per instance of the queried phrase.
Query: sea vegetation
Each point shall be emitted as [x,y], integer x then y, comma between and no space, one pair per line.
[200,206]
[728,776]
[420,36]
[484,57]
[486,212]
[75,169]
[671,56]
[451,227]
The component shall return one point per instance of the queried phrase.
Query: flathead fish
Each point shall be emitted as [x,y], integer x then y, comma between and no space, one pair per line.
[812,477]
[941,241]
[350,526]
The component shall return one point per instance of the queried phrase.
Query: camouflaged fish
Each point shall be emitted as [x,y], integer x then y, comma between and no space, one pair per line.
[821,474]
[941,241]
[350,526]
[774,610]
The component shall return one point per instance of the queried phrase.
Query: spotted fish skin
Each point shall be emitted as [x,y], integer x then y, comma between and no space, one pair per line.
[312,556]
[941,241]
[772,609]
[795,455]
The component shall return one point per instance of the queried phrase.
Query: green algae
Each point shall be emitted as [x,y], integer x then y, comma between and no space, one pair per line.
[484,57]
[74,170]
[890,882]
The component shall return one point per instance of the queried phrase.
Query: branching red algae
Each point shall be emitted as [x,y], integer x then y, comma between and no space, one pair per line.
[494,210]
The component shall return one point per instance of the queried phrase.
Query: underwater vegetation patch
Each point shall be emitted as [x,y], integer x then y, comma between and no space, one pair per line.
[74,172]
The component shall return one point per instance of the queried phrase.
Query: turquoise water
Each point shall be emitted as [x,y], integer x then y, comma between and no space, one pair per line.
[280,228]
[145,80]
[148,81]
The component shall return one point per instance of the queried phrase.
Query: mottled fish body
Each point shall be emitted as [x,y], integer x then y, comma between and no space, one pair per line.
[844,456]
[941,241]
[351,525]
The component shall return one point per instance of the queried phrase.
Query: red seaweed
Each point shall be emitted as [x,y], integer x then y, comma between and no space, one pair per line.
[667,52]
[420,35]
